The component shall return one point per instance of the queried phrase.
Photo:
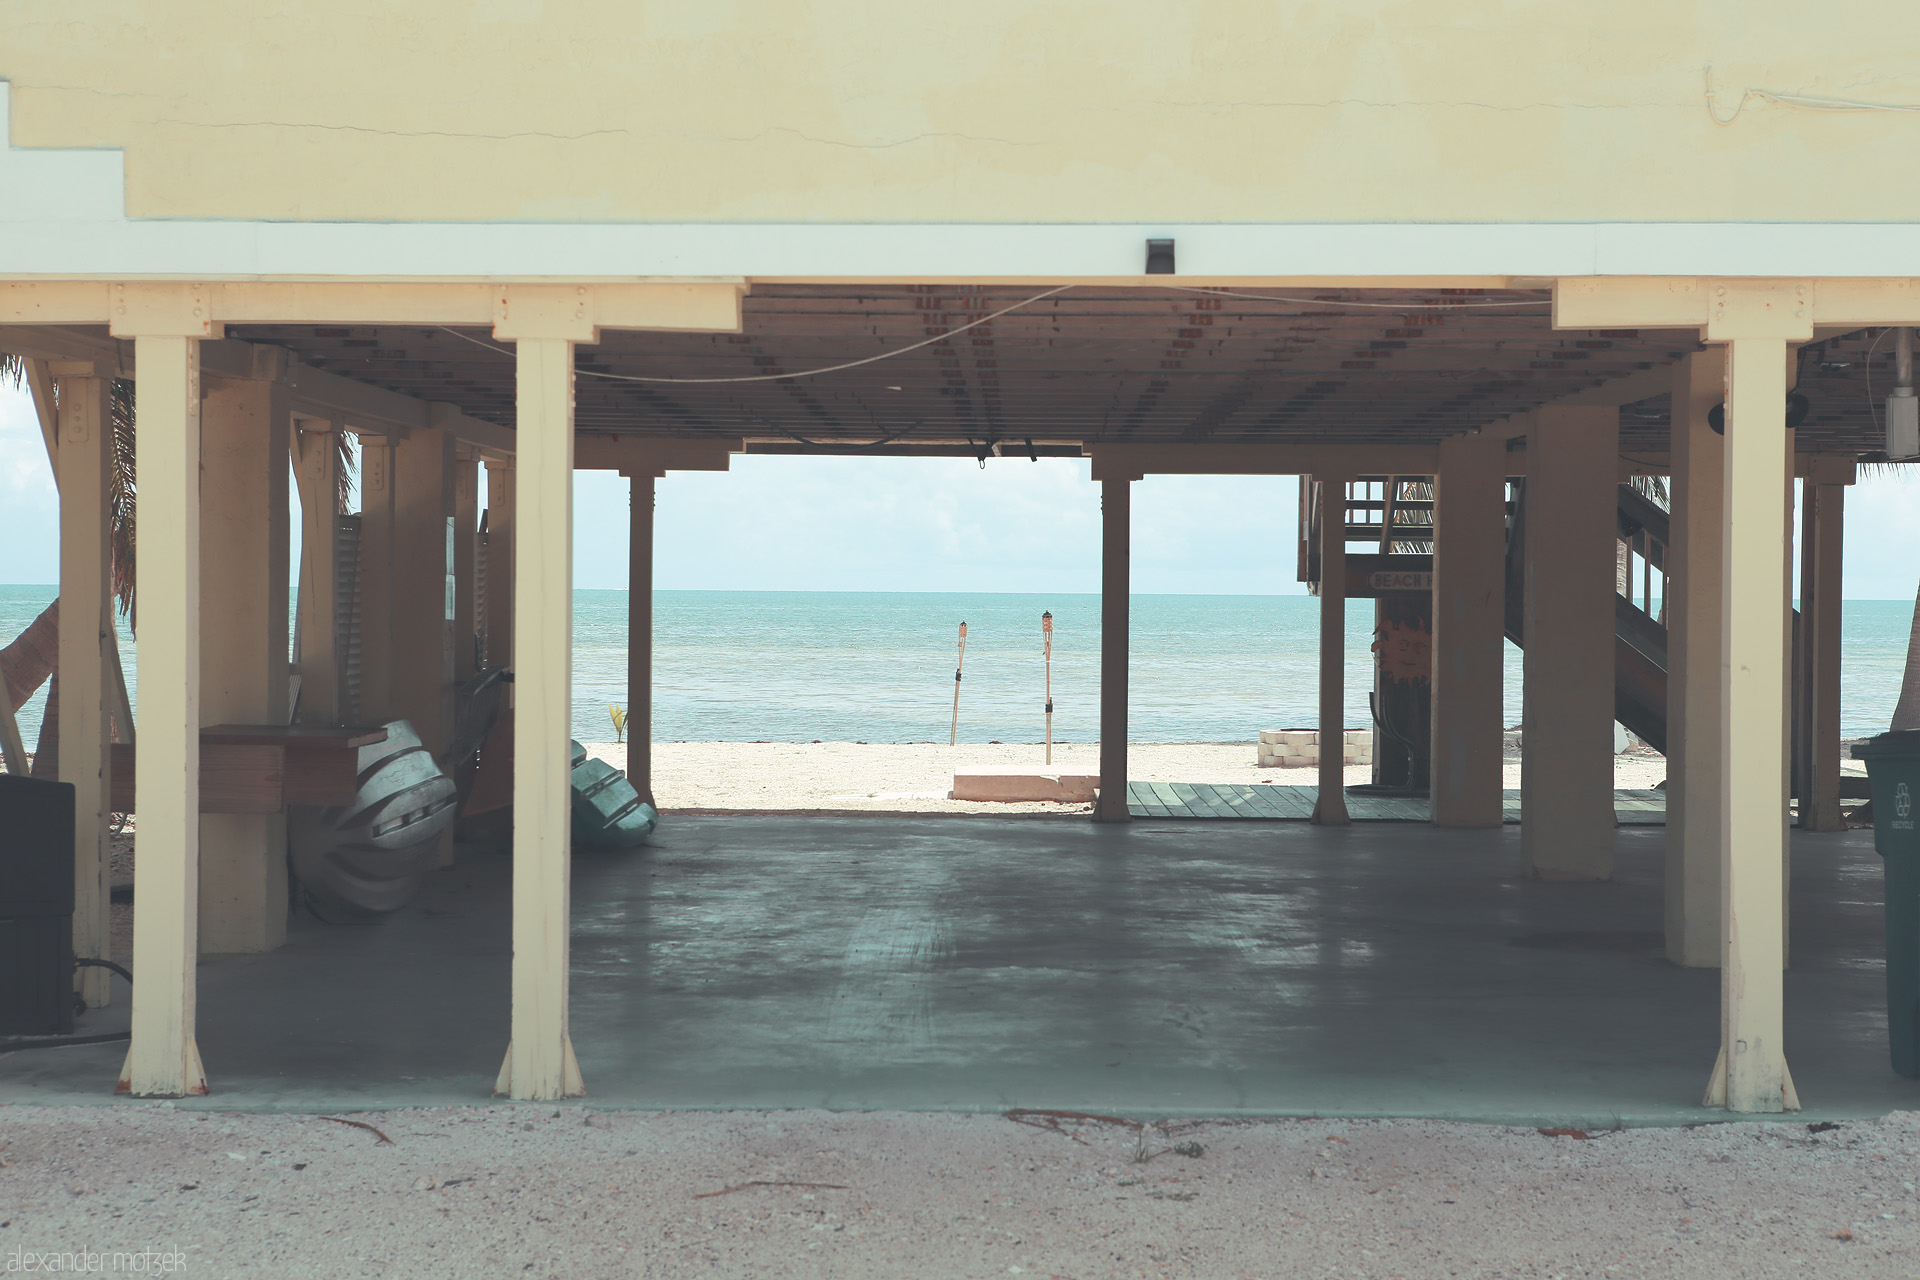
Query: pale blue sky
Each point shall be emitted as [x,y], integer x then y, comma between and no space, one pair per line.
[934,524]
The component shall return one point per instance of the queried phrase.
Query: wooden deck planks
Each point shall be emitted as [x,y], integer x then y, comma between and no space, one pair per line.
[1270,803]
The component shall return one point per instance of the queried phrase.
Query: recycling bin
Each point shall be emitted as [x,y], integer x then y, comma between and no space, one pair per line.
[1893,767]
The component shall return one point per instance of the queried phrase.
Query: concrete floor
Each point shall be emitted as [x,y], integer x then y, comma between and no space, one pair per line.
[1157,968]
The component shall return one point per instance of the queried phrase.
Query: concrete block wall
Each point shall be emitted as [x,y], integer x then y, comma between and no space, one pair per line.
[1300,748]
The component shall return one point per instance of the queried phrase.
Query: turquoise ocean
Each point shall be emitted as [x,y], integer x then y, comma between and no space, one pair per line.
[796,666]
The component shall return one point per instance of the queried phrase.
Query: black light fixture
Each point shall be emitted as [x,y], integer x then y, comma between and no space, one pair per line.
[1159,257]
[1797,409]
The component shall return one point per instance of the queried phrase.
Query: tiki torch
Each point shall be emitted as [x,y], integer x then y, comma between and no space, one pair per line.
[1046,646]
[960,662]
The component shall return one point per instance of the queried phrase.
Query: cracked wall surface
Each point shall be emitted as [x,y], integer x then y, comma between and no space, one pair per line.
[989,111]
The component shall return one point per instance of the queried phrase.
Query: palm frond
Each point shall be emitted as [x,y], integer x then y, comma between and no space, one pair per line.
[343,441]
[1653,489]
[120,492]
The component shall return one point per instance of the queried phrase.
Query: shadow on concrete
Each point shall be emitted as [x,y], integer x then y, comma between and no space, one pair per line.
[982,963]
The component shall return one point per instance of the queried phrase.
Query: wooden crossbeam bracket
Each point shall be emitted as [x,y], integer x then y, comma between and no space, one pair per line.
[151,310]
[699,305]
[1726,309]
[1134,461]
[643,456]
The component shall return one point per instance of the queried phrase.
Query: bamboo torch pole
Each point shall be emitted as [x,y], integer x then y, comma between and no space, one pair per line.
[1046,644]
[960,662]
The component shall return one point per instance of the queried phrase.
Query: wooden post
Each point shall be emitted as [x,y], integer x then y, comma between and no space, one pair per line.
[1046,657]
[1566,781]
[316,470]
[163,1058]
[1330,806]
[466,546]
[84,466]
[378,514]
[245,423]
[959,663]
[423,607]
[500,562]
[1116,584]
[1821,530]
[640,637]
[1696,678]
[540,1063]
[1751,1075]
[1469,631]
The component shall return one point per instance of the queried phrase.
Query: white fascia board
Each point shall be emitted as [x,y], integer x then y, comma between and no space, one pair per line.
[76,248]
[62,216]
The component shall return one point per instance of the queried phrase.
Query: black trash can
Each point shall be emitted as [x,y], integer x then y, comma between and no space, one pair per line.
[36,906]
[1893,765]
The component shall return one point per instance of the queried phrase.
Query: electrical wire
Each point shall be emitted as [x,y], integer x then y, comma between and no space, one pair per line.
[803,373]
[1873,409]
[1801,100]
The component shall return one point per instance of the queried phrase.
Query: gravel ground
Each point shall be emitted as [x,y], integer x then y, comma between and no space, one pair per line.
[569,1192]
[787,777]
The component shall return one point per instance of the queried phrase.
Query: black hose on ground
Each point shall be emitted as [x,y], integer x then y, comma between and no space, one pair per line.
[10,1043]
[104,964]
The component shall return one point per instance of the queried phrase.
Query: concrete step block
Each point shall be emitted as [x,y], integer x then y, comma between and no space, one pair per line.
[1009,785]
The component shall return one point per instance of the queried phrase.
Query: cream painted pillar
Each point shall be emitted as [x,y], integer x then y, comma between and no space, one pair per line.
[499,619]
[85,460]
[1751,1075]
[1823,509]
[163,1058]
[540,1062]
[1696,674]
[378,551]
[640,636]
[243,646]
[1566,780]
[466,546]
[1116,588]
[1330,807]
[1469,631]
[316,470]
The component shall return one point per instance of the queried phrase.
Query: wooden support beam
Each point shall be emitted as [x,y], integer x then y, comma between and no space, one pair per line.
[84,465]
[1752,1075]
[640,637]
[1133,461]
[500,559]
[316,470]
[1330,809]
[466,546]
[653,456]
[1116,587]
[1696,692]
[244,517]
[163,1058]
[1469,635]
[540,1063]
[1822,527]
[1566,782]
[701,306]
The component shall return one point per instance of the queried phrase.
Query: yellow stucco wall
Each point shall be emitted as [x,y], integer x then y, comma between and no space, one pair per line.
[977,110]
